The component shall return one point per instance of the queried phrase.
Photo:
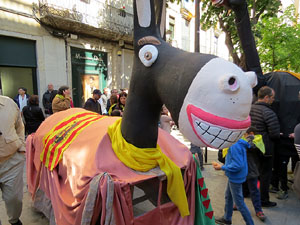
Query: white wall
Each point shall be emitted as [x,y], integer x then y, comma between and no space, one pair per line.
[207,38]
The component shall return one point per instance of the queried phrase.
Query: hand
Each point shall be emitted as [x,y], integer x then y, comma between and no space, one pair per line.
[292,135]
[216,166]
[67,93]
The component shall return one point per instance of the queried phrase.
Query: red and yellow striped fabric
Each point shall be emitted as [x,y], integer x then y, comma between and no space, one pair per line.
[58,139]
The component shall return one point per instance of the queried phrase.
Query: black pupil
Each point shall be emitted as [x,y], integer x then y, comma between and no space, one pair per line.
[231,81]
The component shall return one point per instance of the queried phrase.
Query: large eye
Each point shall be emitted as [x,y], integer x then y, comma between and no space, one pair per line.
[148,54]
[229,83]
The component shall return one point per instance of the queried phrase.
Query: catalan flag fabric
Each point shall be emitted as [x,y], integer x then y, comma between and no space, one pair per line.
[59,138]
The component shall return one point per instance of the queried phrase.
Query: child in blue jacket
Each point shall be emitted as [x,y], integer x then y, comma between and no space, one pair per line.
[236,169]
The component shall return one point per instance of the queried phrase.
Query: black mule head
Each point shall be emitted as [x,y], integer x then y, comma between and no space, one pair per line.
[208,97]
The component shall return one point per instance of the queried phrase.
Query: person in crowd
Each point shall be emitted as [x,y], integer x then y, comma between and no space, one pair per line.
[104,99]
[109,104]
[62,101]
[257,148]
[124,90]
[198,152]
[92,104]
[166,121]
[33,115]
[48,97]
[12,158]
[113,103]
[264,119]
[236,169]
[296,184]
[116,112]
[284,150]
[121,102]
[22,98]
[297,138]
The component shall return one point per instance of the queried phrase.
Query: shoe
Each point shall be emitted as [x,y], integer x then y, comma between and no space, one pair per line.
[222,221]
[17,223]
[261,216]
[234,207]
[273,189]
[282,195]
[268,204]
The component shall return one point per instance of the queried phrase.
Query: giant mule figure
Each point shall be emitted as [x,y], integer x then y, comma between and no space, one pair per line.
[77,172]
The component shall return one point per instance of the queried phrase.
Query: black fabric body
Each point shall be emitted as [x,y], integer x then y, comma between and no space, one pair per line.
[287,108]
[247,41]
[287,102]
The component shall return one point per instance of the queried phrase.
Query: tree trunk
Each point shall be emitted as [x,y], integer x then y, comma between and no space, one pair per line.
[229,44]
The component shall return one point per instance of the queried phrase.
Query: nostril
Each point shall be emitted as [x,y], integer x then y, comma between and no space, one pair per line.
[231,81]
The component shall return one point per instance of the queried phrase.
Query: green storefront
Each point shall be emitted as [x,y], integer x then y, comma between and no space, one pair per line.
[17,66]
[89,72]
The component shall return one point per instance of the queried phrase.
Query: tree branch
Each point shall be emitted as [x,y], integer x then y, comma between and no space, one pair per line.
[228,42]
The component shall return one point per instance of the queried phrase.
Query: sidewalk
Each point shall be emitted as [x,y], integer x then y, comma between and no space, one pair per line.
[287,211]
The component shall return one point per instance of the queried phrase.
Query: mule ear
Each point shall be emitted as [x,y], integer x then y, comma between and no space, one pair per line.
[160,12]
[149,18]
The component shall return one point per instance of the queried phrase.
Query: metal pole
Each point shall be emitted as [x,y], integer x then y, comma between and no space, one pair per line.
[197,25]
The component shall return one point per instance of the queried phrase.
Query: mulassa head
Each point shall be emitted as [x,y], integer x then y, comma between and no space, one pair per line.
[208,97]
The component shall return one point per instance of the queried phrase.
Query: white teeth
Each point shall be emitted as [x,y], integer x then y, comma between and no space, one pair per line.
[214,131]
[225,134]
[216,137]
[217,142]
[209,138]
[234,136]
[204,126]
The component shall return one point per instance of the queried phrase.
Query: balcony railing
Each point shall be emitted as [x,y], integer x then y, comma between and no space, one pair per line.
[108,16]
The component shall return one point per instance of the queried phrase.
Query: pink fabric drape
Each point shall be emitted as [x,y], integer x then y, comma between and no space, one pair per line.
[91,154]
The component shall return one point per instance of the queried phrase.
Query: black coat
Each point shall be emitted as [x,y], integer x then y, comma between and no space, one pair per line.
[253,155]
[264,119]
[93,105]
[33,116]
[47,101]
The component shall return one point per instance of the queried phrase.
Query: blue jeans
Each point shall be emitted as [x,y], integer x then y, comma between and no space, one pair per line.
[234,193]
[254,194]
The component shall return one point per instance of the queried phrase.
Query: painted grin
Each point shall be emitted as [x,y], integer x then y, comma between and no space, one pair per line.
[214,131]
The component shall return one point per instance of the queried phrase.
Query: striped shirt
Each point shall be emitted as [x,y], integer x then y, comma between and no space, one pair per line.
[298,149]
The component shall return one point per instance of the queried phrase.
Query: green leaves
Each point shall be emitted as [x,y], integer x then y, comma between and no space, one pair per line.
[278,41]
[211,16]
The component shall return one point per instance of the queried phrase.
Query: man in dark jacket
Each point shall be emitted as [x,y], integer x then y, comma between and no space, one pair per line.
[92,104]
[48,98]
[264,119]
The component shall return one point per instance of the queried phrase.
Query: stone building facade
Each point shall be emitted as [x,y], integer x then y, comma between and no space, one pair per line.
[84,44]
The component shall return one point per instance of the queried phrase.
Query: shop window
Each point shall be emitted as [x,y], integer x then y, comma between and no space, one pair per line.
[11,78]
